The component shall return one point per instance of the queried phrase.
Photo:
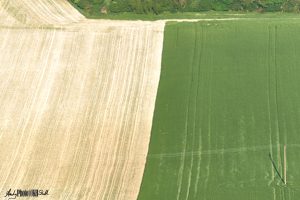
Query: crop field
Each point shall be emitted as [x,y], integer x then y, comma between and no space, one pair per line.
[80,98]
[76,101]
[228,101]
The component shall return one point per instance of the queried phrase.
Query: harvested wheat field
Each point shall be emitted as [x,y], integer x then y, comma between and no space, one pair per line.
[76,99]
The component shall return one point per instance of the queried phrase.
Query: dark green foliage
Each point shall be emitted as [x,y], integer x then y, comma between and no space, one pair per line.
[117,6]
[93,7]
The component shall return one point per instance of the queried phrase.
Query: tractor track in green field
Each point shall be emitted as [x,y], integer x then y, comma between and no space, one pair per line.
[219,151]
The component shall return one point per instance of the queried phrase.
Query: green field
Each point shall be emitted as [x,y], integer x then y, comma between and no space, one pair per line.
[229,97]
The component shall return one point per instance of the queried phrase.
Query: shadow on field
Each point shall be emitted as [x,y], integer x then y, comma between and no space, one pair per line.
[274,165]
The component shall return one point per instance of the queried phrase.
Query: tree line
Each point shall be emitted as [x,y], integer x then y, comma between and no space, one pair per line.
[95,7]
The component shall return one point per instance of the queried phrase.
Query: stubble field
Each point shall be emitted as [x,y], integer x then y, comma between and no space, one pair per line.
[76,99]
